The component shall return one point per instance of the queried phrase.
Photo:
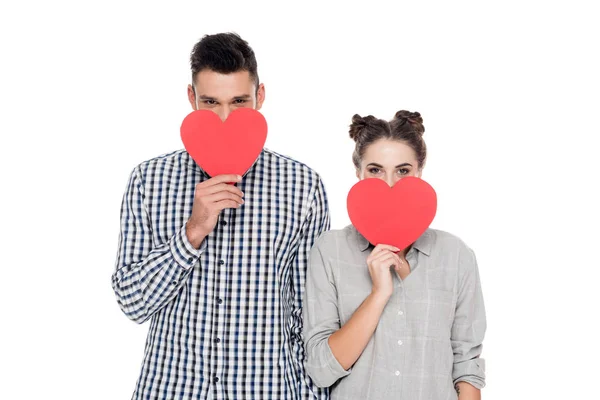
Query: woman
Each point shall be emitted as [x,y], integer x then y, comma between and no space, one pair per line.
[380,323]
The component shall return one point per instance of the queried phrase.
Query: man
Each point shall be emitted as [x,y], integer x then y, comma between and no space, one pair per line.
[219,269]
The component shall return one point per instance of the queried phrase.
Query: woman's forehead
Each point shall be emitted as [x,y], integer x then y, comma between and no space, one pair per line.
[389,151]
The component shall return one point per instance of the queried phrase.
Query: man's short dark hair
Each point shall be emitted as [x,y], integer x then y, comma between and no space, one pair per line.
[224,53]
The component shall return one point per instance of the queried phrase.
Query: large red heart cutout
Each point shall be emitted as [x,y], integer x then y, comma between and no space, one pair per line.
[395,215]
[229,147]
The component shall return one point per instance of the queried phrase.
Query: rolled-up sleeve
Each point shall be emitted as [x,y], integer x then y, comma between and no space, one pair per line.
[148,276]
[321,317]
[468,329]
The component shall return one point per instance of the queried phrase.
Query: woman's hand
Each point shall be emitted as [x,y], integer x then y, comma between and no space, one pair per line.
[381,259]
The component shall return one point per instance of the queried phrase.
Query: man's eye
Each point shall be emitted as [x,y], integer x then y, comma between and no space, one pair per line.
[210,102]
[239,101]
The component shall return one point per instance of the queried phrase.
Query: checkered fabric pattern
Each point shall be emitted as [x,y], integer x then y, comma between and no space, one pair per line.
[225,319]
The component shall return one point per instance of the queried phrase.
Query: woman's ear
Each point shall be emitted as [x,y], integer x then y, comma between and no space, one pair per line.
[358,174]
[419,173]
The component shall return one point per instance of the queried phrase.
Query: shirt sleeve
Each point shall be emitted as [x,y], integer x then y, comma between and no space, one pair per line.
[148,277]
[317,222]
[469,325]
[321,316]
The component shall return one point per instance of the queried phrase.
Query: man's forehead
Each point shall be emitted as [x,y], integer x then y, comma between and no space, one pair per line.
[208,77]
[224,87]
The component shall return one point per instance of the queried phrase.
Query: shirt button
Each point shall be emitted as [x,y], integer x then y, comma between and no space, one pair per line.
[221,262]
[397,373]
[174,283]
[216,379]
[190,259]
[400,342]
[223,222]
[220,301]
[218,340]
[400,312]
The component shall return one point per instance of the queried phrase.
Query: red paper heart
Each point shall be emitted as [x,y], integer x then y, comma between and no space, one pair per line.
[229,147]
[395,215]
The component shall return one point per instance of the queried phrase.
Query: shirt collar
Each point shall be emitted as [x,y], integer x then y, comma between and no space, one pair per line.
[194,165]
[423,243]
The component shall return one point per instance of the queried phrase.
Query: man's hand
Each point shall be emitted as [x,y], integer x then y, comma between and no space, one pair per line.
[210,197]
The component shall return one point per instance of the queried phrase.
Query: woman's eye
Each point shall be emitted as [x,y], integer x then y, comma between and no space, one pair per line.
[403,171]
[374,170]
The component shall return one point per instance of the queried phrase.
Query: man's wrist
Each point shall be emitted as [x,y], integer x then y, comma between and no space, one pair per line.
[194,235]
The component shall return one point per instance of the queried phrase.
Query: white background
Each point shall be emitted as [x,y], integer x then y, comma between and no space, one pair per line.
[509,93]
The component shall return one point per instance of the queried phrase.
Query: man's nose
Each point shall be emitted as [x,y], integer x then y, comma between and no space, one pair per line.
[224,113]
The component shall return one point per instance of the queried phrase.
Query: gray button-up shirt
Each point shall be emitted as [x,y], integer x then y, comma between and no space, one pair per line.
[430,333]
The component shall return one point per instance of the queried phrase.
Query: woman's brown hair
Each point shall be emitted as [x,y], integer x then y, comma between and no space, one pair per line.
[406,127]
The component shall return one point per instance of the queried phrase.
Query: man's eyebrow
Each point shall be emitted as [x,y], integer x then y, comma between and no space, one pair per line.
[240,97]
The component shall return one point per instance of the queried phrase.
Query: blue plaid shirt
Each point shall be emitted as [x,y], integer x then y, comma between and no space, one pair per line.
[225,319]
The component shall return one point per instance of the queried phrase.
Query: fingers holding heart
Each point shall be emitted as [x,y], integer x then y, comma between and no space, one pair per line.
[379,263]
[383,251]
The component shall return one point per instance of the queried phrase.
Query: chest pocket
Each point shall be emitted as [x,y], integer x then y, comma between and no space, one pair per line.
[355,286]
[430,313]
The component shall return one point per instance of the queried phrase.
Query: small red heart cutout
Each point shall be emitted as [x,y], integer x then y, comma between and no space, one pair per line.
[396,215]
[229,147]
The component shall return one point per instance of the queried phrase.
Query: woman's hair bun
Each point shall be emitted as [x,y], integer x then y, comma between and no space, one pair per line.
[412,118]
[360,125]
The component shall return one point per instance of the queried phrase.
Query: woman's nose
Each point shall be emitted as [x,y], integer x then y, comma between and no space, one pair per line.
[392,180]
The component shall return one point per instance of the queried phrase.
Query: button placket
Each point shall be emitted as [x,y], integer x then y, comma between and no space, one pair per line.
[400,306]
[221,273]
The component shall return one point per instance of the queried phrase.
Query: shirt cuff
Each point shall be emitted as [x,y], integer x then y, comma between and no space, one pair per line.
[334,365]
[182,250]
[471,371]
